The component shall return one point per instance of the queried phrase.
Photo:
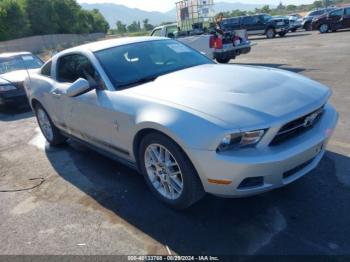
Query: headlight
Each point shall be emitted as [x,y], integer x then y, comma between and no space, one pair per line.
[239,140]
[7,88]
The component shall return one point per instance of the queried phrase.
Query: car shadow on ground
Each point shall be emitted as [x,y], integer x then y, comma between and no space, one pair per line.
[289,35]
[13,113]
[216,226]
[278,66]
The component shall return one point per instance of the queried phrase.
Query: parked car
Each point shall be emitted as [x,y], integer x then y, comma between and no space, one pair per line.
[262,24]
[189,125]
[295,22]
[332,21]
[307,20]
[13,71]
[221,49]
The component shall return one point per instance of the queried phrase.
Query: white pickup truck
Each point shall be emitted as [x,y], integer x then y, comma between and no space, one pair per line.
[221,48]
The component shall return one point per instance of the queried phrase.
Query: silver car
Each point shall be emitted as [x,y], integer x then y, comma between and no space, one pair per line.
[190,126]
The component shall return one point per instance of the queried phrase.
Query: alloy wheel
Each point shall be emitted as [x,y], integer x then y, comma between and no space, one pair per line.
[45,124]
[164,171]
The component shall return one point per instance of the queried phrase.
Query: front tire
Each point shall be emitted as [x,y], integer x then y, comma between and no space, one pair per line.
[169,173]
[270,33]
[48,129]
[324,28]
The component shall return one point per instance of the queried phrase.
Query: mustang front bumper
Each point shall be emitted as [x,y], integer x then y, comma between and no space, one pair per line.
[268,167]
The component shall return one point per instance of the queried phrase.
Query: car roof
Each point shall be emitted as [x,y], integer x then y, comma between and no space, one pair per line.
[105,44]
[6,55]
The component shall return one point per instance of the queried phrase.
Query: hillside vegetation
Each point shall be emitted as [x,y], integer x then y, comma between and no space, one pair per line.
[20,18]
[285,9]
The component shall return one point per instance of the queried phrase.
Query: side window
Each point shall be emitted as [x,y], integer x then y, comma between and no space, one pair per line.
[46,69]
[249,20]
[338,12]
[171,31]
[157,32]
[72,67]
[347,11]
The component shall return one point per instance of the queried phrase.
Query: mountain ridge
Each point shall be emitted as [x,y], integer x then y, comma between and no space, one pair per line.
[114,12]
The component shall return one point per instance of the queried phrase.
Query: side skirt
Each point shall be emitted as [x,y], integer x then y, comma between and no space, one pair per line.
[114,156]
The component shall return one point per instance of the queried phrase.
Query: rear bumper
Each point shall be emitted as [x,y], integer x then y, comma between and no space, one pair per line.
[277,166]
[232,51]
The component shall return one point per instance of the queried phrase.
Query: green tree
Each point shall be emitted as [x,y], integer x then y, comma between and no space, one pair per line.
[66,15]
[42,17]
[146,25]
[121,28]
[317,4]
[291,8]
[100,25]
[266,9]
[134,27]
[13,20]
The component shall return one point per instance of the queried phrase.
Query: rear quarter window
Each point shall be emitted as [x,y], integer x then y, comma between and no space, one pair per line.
[46,69]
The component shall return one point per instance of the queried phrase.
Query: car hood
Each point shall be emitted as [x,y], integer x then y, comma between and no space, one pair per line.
[13,77]
[244,96]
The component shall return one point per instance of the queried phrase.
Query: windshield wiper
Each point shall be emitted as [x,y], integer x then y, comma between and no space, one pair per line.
[140,81]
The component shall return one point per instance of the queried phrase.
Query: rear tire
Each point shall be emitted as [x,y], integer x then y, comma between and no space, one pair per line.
[48,129]
[169,173]
[270,33]
[282,34]
[223,60]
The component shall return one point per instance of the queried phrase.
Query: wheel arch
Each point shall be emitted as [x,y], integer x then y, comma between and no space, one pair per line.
[146,131]
[34,102]
[143,132]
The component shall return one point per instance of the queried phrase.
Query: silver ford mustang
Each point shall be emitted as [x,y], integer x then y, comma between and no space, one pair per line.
[188,125]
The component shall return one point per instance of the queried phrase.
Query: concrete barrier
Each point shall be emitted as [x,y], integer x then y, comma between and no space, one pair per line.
[36,44]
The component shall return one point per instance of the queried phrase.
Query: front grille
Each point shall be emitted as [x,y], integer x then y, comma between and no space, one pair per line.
[297,127]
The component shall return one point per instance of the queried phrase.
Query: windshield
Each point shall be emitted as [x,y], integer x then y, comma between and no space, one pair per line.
[14,63]
[134,63]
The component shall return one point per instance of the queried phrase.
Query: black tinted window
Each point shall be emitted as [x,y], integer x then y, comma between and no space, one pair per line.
[131,63]
[14,63]
[249,20]
[72,67]
[230,23]
[317,13]
[338,12]
[46,70]
[347,11]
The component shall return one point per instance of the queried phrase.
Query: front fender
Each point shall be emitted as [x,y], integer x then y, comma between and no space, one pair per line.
[188,130]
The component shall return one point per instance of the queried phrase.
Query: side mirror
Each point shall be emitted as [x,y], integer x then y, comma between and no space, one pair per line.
[79,87]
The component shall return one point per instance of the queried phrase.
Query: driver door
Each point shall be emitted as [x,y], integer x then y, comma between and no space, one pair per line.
[89,116]
[336,19]
[347,18]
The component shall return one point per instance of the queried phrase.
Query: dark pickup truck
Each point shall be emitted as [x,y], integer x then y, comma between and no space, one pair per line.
[261,24]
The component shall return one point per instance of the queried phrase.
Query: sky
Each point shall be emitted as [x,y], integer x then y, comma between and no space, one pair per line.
[166,5]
